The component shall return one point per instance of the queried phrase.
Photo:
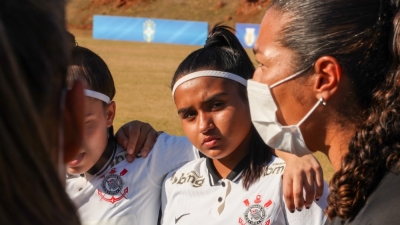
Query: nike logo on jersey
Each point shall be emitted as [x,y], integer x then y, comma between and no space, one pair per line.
[177,219]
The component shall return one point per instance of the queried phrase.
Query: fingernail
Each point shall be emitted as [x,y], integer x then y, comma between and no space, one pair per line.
[143,152]
[130,151]
[298,209]
[292,211]
[129,158]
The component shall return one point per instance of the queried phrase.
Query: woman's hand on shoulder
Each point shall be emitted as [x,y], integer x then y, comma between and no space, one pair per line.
[137,138]
[303,180]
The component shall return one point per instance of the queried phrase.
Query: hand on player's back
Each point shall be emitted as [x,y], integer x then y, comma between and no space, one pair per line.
[303,180]
[137,138]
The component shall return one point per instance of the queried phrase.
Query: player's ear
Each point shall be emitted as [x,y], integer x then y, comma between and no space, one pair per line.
[73,117]
[110,113]
[328,76]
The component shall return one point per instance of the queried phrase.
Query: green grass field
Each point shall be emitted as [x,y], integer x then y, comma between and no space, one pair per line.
[142,74]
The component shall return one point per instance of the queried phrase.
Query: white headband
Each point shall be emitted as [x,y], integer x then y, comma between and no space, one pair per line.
[97,95]
[209,73]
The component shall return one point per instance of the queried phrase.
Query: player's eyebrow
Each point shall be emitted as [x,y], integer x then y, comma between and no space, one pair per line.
[183,110]
[207,100]
[88,114]
[213,97]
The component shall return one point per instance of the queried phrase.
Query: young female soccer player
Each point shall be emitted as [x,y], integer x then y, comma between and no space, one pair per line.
[106,188]
[335,63]
[239,181]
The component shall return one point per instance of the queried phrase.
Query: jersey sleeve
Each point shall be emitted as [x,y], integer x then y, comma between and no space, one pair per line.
[168,154]
[313,216]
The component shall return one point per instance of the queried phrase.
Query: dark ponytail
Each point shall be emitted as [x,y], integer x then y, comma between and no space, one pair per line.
[223,52]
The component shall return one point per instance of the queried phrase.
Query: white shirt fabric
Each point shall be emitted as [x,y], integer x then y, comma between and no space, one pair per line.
[194,194]
[129,193]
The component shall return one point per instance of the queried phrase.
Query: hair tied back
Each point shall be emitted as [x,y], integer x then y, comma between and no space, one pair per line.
[218,36]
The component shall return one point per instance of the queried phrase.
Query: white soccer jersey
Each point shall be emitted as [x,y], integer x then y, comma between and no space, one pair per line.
[129,193]
[194,194]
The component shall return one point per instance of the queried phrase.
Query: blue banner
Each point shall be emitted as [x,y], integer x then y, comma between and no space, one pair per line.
[247,34]
[149,30]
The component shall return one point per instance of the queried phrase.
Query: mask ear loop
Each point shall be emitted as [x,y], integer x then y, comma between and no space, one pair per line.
[320,102]
[291,77]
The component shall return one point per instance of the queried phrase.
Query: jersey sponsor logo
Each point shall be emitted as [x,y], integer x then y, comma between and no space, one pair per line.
[276,168]
[191,177]
[119,158]
[112,186]
[257,213]
[180,217]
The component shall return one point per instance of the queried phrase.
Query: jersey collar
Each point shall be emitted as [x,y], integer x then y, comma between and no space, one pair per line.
[234,175]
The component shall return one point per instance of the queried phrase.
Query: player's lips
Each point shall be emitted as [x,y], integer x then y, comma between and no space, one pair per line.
[210,141]
[78,159]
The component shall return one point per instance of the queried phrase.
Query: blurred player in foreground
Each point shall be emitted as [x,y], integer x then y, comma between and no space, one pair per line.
[41,123]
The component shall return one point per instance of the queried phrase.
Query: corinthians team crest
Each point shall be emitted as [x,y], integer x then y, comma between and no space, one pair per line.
[112,185]
[256,214]
[149,30]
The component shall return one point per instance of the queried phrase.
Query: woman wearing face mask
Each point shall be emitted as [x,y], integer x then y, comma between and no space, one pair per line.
[239,181]
[335,64]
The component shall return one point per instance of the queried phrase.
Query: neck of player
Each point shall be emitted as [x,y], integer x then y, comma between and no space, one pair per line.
[225,165]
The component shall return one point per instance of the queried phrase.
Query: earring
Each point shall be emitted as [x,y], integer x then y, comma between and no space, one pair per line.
[321,100]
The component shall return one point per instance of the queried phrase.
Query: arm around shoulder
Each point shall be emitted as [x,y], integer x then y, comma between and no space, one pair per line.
[168,154]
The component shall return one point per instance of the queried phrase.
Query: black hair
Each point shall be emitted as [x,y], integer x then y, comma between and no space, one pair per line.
[91,68]
[223,52]
[353,32]
[361,35]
